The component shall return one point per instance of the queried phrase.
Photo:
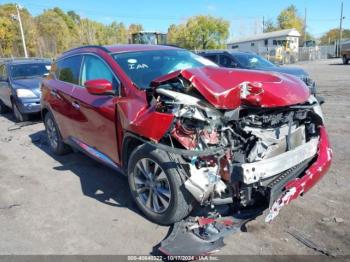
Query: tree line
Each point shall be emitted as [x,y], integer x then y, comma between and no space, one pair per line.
[54,31]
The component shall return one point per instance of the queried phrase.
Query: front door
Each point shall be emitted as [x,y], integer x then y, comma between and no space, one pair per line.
[98,128]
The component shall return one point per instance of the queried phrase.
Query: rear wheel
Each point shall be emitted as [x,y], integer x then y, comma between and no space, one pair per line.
[20,117]
[157,187]
[54,137]
[345,60]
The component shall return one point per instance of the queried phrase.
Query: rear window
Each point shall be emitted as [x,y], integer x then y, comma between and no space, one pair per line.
[67,69]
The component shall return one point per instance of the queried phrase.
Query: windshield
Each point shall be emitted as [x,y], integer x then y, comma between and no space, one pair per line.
[251,61]
[144,66]
[29,70]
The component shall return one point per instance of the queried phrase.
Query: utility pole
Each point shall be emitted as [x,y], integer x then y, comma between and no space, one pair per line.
[263,24]
[305,37]
[22,33]
[340,28]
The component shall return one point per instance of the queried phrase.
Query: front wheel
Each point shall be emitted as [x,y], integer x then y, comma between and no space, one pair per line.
[157,186]
[345,60]
[53,134]
[20,117]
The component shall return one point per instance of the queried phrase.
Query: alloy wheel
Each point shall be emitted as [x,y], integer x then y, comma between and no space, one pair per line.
[52,133]
[151,185]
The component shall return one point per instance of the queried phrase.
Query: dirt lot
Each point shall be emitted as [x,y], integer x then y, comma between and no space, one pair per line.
[73,205]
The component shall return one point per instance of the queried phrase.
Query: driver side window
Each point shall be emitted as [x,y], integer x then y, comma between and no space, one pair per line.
[94,68]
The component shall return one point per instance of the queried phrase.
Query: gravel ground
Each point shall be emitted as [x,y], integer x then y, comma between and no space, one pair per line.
[73,205]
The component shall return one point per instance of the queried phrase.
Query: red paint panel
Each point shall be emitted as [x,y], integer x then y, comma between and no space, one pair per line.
[317,170]
[152,125]
[221,87]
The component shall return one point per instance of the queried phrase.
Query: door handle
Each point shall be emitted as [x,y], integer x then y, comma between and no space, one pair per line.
[76,105]
[53,92]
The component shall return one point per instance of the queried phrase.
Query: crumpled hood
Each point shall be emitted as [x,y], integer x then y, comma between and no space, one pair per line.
[227,88]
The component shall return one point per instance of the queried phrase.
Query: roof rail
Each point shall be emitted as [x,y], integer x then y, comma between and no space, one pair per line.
[7,59]
[89,46]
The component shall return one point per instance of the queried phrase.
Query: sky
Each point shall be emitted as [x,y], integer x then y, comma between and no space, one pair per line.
[245,16]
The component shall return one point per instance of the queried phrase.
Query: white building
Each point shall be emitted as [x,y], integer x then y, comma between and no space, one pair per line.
[275,45]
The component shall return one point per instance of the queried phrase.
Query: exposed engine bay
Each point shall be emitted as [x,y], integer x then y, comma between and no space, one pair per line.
[249,152]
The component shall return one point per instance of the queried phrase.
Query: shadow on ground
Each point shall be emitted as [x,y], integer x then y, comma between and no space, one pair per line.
[97,181]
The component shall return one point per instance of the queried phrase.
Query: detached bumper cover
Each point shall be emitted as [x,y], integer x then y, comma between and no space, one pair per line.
[312,175]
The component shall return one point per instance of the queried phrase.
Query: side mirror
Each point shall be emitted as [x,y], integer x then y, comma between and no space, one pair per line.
[99,87]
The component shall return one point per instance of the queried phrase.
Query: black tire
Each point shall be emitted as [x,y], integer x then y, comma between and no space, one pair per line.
[345,60]
[180,202]
[3,108]
[54,136]
[20,117]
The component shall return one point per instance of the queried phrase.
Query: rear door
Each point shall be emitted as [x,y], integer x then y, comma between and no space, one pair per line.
[61,86]
[97,125]
[5,90]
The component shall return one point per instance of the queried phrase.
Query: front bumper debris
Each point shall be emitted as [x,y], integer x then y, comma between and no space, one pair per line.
[200,236]
[197,236]
[314,173]
[253,172]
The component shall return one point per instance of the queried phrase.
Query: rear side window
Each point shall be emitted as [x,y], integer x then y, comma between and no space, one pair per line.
[67,69]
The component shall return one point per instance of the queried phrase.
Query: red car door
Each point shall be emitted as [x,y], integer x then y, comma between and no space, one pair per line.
[58,90]
[96,127]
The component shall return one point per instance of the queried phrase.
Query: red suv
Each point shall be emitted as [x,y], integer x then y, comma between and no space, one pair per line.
[186,132]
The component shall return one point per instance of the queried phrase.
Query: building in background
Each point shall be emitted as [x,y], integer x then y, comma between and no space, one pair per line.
[278,46]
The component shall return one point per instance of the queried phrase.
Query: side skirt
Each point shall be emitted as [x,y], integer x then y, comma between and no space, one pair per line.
[94,153]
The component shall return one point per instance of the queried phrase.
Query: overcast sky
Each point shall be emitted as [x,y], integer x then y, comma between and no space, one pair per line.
[245,16]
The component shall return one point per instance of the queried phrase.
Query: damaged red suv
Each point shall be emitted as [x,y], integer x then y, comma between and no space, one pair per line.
[186,132]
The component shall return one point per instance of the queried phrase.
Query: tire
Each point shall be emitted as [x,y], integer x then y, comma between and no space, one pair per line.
[3,108]
[345,60]
[20,117]
[164,183]
[54,136]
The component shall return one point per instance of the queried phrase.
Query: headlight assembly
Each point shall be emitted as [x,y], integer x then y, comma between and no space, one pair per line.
[25,93]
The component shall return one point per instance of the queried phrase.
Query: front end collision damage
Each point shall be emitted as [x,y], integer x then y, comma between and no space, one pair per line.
[254,145]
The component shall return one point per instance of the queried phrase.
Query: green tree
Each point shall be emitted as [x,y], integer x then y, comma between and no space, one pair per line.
[331,36]
[289,18]
[55,36]
[134,28]
[269,26]
[10,36]
[200,32]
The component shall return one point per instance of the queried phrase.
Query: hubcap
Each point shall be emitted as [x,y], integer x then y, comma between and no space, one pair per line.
[151,185]
[51,133]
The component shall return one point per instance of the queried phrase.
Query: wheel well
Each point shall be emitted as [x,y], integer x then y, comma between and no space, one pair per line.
[130,143]
[44,111]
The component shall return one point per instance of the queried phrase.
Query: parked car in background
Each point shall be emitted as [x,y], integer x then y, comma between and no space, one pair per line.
[345,52]
[19,85]
[247,60]
[185,131]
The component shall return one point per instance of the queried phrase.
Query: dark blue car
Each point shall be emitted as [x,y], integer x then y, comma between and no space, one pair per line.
[246,60]
[20,85]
